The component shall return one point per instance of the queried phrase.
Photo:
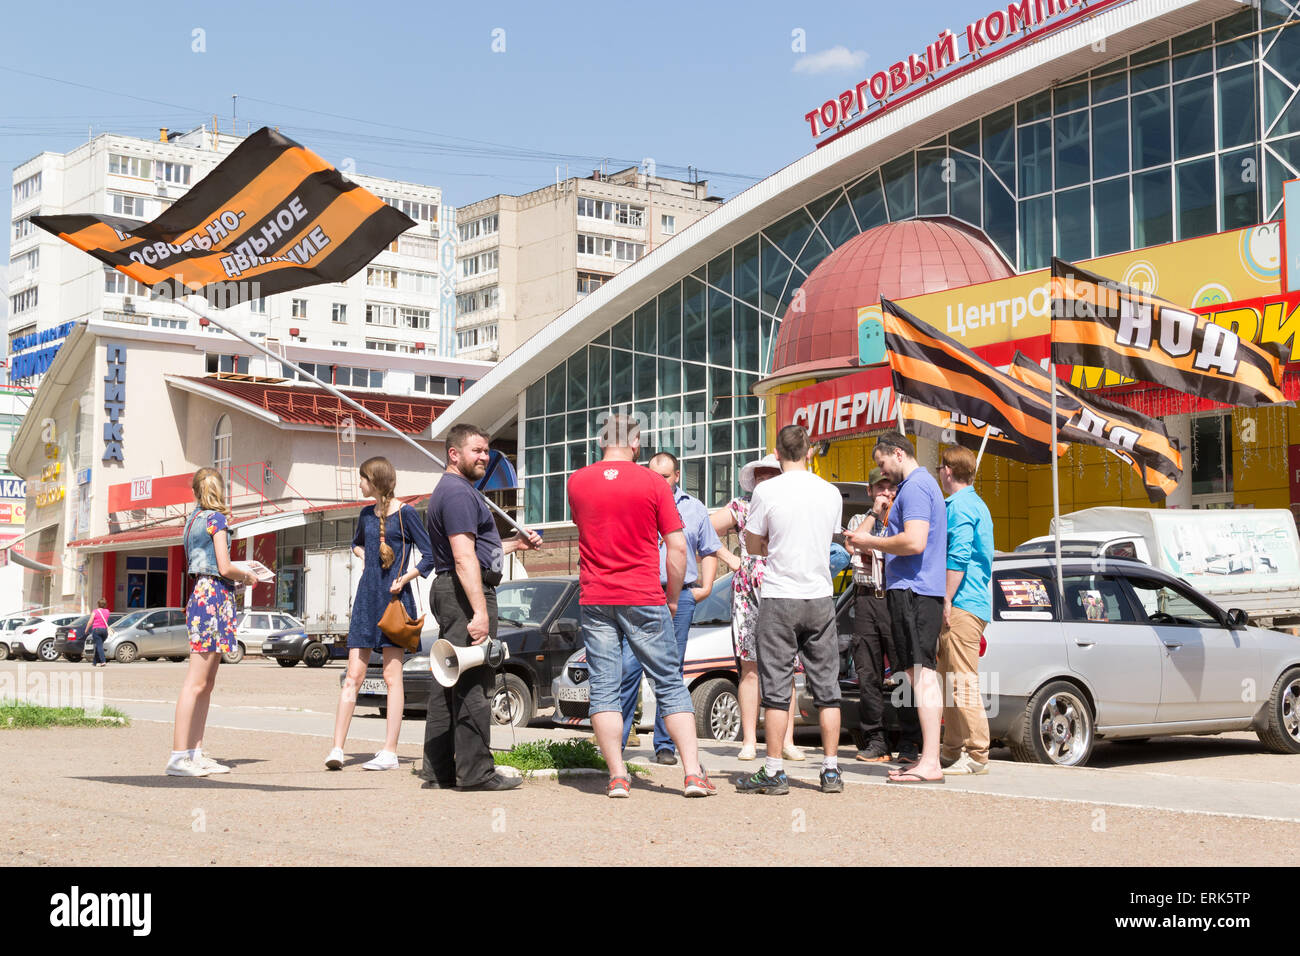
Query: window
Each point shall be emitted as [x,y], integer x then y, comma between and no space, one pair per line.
[1212,455]
[339,312]
[27,188]
[1165,604]
[24,263]
[339,343]
[483,226]
[668,224]
[437,385]
[299,308]
[158,322]
[589,282]
[415,318]
[120,284]
[222,443]
[610,248]
[473,301]
[620,212]
[130,166]
[420,246]
[1097,598]
[176,173]
[128,205]
[381,345]
[425,283]
[419,211]
[257,306]
[22,301]
[237,364]
[479,264]
[381,314]
[381,278]
[23,228]
[467,339]
[488,333]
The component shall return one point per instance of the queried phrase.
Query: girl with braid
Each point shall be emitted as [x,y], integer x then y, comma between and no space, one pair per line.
[388,532]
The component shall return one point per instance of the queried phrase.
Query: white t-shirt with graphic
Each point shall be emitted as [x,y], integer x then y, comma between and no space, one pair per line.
[799,513]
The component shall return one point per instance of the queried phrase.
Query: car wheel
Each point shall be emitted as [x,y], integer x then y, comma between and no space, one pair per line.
[315,655]
[285,663]
[717,710]
[4,652]
[235,656]
[1282,732]
[513,703]
[126,653]
[176,660]
[46,652]
[1057,727]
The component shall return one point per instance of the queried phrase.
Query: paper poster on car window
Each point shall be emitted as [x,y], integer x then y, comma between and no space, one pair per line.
[1025,594]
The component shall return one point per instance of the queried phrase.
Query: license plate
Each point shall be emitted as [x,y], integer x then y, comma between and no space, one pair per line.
[574,693]
[267,648]
[374,685]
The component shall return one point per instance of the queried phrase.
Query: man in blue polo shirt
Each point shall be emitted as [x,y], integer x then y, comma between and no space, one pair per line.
[702,544]
[915,550]
[967,610]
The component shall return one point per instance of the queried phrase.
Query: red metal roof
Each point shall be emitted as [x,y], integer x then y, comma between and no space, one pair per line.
[897,260]
[308,405]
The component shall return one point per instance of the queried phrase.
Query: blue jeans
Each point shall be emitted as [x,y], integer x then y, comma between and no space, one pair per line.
[632,674]
[609,628]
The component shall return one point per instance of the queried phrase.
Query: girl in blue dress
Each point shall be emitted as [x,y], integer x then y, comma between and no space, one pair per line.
[386,547]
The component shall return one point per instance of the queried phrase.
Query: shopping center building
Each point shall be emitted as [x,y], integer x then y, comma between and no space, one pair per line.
[1146,139]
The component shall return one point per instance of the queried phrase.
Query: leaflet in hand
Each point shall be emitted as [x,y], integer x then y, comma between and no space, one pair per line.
[257,569]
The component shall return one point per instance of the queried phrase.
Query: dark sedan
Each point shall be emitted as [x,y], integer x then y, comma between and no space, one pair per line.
[538,621]
[70,639]
[289,646]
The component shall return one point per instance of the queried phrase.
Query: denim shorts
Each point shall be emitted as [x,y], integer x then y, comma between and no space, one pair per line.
[648,631]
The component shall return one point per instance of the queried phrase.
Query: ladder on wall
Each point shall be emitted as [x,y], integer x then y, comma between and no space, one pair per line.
[345,476]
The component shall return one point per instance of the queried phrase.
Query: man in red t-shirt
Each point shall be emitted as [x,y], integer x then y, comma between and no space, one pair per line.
[621,510]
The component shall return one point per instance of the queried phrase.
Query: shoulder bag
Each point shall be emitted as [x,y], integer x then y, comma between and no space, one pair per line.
[395,624]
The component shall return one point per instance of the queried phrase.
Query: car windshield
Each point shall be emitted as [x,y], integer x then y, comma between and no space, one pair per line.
[528,603]
[130,620]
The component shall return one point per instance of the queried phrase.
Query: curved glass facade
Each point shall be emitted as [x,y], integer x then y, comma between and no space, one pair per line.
[1191,136]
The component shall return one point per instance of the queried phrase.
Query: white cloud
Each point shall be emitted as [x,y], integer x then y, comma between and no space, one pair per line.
[832,60]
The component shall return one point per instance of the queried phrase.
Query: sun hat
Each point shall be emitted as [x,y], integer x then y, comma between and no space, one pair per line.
[747,473]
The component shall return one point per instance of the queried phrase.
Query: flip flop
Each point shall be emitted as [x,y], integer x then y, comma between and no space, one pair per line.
[915,779]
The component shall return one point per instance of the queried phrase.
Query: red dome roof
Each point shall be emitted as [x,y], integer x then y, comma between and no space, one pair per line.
[896,260]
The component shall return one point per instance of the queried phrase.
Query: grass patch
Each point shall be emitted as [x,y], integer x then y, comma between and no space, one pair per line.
[14,716]
[555,755]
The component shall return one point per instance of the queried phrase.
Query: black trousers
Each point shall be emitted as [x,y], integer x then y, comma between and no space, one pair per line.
[457,727]
[872,643]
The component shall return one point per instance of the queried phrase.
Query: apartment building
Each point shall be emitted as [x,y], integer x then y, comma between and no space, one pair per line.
[523,260]
[401,302]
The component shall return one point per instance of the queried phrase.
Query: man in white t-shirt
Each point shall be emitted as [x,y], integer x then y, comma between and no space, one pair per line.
[792,519]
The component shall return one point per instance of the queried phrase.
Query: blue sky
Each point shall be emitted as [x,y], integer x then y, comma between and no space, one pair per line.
[415,91]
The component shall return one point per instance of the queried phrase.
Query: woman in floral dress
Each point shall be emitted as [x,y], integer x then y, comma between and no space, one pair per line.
[746,579]
[211,619]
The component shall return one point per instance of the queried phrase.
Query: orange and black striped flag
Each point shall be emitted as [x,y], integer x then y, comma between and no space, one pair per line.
[1131,436]
[964,392]
[1101,322]
[271,217]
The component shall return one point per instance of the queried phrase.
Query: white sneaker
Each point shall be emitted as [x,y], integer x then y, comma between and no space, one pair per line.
[384,760]
[185,767]
[335,760]
[210,765]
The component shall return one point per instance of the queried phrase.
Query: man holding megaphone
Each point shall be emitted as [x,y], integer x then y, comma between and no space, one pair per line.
[467,557]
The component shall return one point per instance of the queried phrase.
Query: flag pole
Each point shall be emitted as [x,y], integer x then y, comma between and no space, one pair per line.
[204,314]
[983,441]
[1056,493]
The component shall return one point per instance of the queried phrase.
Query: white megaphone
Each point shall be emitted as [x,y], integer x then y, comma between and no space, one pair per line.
[447,661]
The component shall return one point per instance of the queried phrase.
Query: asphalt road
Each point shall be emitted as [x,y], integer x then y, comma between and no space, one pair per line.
[96,796]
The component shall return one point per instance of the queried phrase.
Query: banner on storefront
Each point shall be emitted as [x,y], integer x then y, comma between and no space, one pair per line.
[1098,321]
[142,493]
[1133,437]
[839,407]
[271,217]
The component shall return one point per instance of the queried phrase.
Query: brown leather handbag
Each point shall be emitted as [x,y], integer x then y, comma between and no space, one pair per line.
[395,624]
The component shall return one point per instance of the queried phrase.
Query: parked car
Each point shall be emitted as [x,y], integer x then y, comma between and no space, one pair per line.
[35,638]
[256,626]
[70,639]
[537,620]
[8,627]
[1130,652]
[293,643]
[153,634]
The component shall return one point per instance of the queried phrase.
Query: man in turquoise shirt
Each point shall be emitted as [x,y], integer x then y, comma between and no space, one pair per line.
[967,609]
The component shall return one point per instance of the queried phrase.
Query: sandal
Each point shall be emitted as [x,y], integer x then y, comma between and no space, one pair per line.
[619,787]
